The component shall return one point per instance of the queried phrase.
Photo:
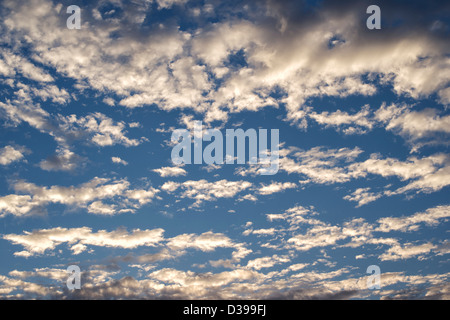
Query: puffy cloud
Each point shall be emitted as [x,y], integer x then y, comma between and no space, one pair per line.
[119,161]
[171,283]
[11,63]
[202,190]
[428,183]
[412,168]
[39,241]
[45,241]
[202,281]
[103,130]
[356,123]
[430,217]
[318,236]
[418,127]
[280,51]
[267,262]
[64,160]
[407,251]
[322,165]
[98,207]
[362,196]
[166,4]
[296,215]
[207,241]
[10,154]
[170,171]
[319,164]
[354,233]
[276,187]
[89,194]
[99,129]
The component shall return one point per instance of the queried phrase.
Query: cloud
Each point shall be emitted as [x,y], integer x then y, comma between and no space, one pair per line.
[89,194]
[267,262]
[310,63]
[171,283]
[206,242]
[362,196]
[419,128]
[318,236]
[283,49]
[357,123]
[431,217]
[319,164]
[276,187]
[10,154]
[64,160]
[39,241]
[407,251]
[12,63]
[46,241]
[353,233]
[202,190]
[170,171]
[97,128]
[202,282]
[102,129]
[431,182]
[119,161]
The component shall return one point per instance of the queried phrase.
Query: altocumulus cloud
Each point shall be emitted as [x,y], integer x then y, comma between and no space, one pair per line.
[363,177]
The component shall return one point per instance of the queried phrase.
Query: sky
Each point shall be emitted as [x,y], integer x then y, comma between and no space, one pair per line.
[87,177]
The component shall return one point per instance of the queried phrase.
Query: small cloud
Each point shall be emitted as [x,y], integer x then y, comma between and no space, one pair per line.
[119,161]
[63,160]
[11,154]
[134,125]
[170,171]
[109,102]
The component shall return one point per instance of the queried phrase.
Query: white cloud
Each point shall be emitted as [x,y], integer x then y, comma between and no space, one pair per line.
[203,190]
[99,129]
[430,217]
[276,187]
[418,127]
[357,123]
[64,160]
[119,161]
[407,251]
[267,262]
[207,241]
[172,68]
[296,215]
[39,241]
[362,196]
[170,171]
[93,191]
[103,130]
[10,154]
[431,182]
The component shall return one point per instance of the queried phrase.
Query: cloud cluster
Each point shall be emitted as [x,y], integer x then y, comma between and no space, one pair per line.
[354,233]
[32,199]
[281,49]
[203,190]
[321,165]
[45,241]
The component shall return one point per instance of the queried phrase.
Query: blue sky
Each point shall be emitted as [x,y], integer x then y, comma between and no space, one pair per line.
[85,154]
